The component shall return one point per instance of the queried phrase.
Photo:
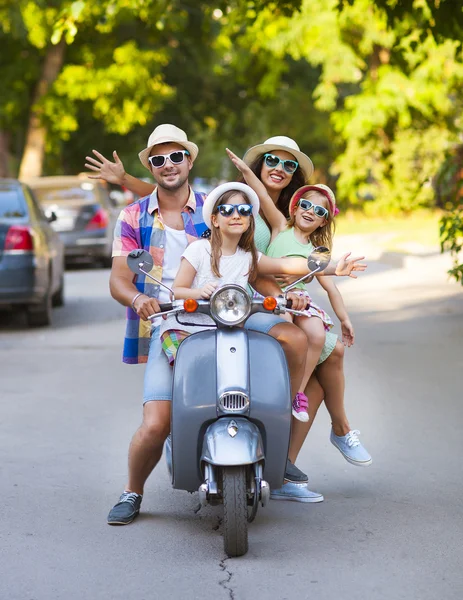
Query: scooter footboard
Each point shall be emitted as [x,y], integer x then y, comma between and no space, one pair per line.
[232,441]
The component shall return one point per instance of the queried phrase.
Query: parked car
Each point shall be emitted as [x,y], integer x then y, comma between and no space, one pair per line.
[86,214]
[31,255]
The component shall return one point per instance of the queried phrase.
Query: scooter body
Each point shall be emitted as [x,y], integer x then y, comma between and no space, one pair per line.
[229,378]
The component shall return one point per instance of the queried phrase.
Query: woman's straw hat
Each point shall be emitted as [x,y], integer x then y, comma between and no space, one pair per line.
[281,142]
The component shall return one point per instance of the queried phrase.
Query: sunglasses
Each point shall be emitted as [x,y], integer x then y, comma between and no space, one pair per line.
[159,160]
[227,210]
[273,161]
[318,210]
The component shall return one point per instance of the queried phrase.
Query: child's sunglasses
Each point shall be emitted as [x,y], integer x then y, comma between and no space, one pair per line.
[273,161]
[159,160]
[227,210]
[318,210]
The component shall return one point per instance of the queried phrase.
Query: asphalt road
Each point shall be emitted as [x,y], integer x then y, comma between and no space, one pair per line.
[390,531]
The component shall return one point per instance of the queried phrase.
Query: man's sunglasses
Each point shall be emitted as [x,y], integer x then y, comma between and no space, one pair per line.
[318,210]
[159,160]
[227,210]
[273,161]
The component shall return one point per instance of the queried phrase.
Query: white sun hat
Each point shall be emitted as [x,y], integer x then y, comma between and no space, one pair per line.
[164,134]
[227,187]
[281,142]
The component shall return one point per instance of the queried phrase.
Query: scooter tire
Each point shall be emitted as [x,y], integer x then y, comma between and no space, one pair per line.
[235,511]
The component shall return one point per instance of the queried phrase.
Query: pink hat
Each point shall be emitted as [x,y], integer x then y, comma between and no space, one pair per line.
[317,187]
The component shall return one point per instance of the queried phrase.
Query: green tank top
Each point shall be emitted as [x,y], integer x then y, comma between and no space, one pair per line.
[262,235]
[286,244]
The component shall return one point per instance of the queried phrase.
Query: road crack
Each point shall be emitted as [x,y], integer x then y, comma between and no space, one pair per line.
[224,583]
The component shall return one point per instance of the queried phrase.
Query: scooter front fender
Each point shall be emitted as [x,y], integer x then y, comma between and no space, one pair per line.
[232,441]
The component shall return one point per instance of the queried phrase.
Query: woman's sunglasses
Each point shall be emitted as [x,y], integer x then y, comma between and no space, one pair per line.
[159,160]
[273,161]
[227,210]
[318,210]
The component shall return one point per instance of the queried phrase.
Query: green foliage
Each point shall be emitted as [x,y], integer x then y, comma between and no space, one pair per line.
[449,187]
[371,90]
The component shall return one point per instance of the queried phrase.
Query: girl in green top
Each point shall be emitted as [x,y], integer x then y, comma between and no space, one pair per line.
[312,209]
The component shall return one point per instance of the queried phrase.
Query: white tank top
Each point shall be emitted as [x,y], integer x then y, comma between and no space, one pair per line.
[176,242]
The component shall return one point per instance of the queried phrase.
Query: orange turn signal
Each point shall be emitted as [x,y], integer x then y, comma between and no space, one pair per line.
[270,303]
[190,305]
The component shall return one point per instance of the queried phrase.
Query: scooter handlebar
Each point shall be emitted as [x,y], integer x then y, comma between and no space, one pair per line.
[166,306]
[289,304]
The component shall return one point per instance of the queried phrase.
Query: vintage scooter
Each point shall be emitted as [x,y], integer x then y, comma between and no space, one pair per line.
[231,408]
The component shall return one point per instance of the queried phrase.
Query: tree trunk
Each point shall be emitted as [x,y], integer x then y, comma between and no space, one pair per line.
[4,154]
[34,149]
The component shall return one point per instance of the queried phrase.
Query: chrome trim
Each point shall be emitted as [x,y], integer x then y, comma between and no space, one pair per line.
[18,252]
[264,492]
[234,402]
[203,492]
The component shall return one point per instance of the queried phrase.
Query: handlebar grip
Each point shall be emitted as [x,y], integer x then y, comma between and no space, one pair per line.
[289,304]
[165,307]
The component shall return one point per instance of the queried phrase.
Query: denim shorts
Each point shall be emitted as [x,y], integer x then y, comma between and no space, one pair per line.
[158,373]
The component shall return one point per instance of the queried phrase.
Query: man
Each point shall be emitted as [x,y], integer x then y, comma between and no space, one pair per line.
[164,223]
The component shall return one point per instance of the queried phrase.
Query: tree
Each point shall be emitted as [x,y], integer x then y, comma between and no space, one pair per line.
[393,94]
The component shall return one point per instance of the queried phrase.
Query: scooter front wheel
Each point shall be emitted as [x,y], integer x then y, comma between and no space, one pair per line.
[235,511]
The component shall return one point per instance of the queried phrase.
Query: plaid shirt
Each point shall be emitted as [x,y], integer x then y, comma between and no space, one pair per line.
[140,226]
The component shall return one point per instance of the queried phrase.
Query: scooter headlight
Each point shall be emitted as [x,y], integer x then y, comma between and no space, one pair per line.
[230,305]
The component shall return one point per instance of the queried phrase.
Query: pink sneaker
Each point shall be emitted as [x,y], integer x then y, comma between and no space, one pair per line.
[300,407]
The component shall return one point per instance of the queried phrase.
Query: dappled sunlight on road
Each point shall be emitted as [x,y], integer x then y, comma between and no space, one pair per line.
[401,294]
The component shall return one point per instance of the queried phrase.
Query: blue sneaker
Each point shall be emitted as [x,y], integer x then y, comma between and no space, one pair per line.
[297,492]
[350,447]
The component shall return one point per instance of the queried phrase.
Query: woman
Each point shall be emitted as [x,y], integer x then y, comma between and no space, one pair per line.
[282,168]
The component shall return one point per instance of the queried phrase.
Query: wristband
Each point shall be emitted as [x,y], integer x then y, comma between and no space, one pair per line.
[134,298]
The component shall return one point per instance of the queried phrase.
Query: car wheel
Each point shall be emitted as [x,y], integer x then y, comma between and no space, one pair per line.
[58,297]
[39,315]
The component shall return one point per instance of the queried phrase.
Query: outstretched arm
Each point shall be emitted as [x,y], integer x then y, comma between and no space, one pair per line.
[339,308]
[114,172]
[275,218]
[298,266]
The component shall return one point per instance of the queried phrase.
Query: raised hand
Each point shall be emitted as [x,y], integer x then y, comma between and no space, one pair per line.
[112,172]
[347,332]
[237,161]
[346,266]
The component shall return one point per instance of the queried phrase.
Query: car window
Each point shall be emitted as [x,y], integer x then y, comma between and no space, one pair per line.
[47,195]
[11,203]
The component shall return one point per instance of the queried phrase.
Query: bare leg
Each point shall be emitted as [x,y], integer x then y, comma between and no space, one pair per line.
[294,343]
[299,430]
[315,331]
[331,377]
[147,443]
